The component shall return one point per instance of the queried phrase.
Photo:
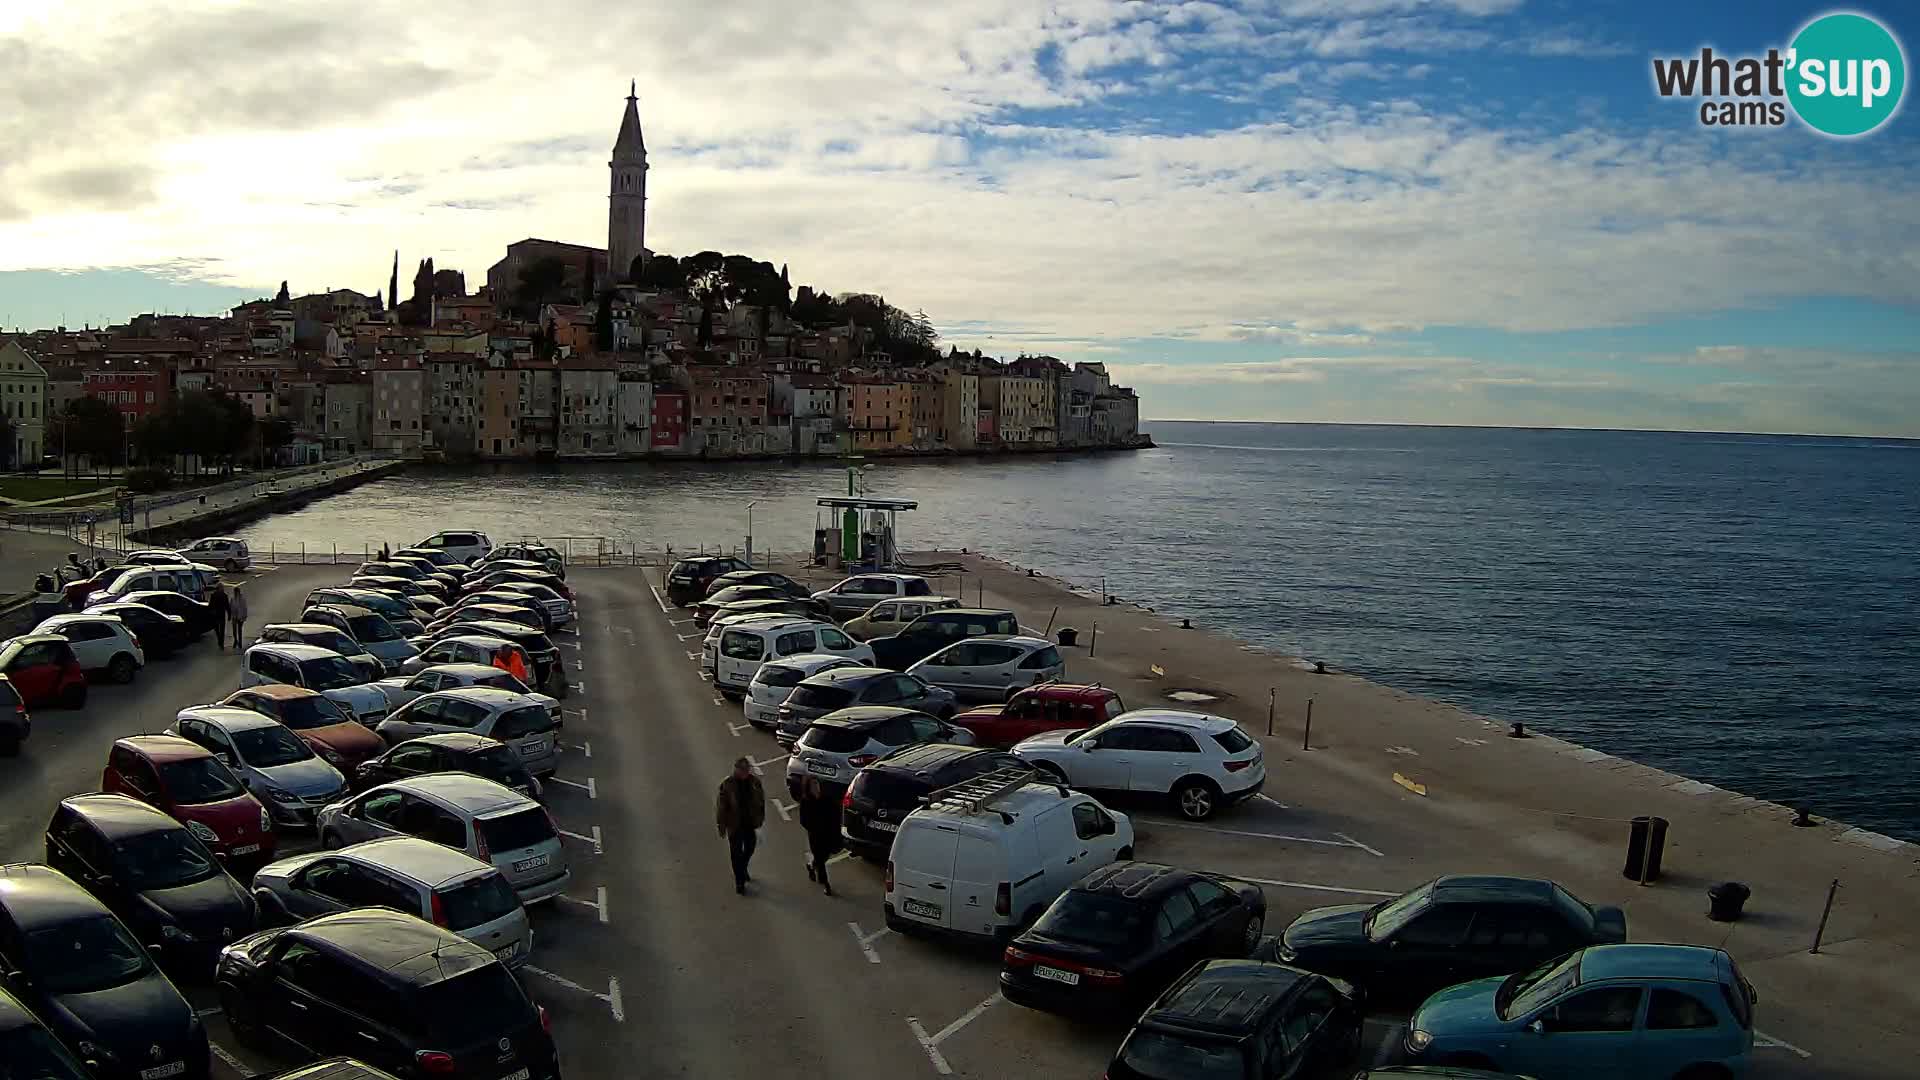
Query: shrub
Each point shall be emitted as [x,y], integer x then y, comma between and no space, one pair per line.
[146,480]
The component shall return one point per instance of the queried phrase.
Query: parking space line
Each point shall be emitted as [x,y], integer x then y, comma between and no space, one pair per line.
[657,600]
[579,687]
[1271,801]
[569,644]
[581,711]
[786,809]
[694,656]
[1343,841]
[689,637]
[931,1043]
[599,906]
[588,787]
[758,766]
[736,729]
[1371,851]
[584,747]
[614,1001]
[598,847]
[1311,885]
[678,622]
[579,665]
[228,1059]
[1762,1040]
[611,997]
[718,700]
[865,940]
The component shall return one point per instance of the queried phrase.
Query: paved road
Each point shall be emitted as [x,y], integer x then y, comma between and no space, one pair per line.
[653,958]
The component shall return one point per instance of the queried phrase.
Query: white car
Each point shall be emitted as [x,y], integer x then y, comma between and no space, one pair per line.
[992,667]
[777,678]
[100,642]
[710,648]
[316,669]
[744,647]
[465,545]
[854,595]
[404,688]
[530,726]
[225,552]
[1203,762]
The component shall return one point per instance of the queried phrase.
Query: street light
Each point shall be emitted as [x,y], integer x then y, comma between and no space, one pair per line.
[750,507]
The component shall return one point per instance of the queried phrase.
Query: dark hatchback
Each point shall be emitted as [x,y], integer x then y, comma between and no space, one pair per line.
[159,633]
[475,610]
[687,581]
[1126,931]
[1244,1020]
[513,598]
[28,1051]
[885,792]
[451,751]
[65,956]
[769,578]
[155,875]
[393,990]
[1448,931]
[539,647]
[936,630]
[198,615]
[842,688]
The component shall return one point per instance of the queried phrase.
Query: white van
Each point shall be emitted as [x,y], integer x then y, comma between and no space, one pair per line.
[743,648]
[984,858]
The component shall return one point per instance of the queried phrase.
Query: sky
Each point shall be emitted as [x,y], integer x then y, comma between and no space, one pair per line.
[1378,211]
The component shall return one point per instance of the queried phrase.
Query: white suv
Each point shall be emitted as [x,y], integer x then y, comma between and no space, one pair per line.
[777,678]
[102,643]
[464,545]
[225,552]
[1203,762]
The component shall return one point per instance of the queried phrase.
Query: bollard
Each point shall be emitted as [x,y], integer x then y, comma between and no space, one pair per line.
[1092,640]
[1306,737]
[1050,618]
[980,593]
[1824,912]
[1803,818]
[1269,711]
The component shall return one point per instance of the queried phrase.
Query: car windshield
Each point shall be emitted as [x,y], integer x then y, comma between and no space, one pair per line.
[335,641]
[1521,994]
[1085,918]
[525,720]
[478,901]
[1387,919]
[85,955]
[265,747]
[328,673]
[371,628]
[834,739]
[314,711]
[198,780]
[481,1003]
[29,1053]
[1157,1055]
[820,697]
[780,676]
[165,859]
[521,829]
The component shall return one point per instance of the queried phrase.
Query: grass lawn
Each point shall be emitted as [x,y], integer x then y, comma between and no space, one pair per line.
[39,488]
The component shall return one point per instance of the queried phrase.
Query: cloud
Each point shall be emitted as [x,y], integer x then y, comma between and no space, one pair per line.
[1573,45]
[1295,335]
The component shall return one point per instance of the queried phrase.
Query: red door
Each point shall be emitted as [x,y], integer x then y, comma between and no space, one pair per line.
[35,674]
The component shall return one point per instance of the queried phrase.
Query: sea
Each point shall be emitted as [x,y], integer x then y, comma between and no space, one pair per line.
[1739,609]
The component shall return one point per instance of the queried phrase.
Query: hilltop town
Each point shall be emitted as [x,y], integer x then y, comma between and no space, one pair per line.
[566,352]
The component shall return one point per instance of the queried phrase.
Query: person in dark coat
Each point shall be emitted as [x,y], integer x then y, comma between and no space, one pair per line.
[820,816]
[222,613]
[739,810]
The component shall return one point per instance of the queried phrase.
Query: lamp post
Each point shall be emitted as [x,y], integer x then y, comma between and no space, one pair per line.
[750,507]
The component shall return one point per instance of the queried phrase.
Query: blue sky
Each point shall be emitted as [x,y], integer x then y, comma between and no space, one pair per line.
[1427,211]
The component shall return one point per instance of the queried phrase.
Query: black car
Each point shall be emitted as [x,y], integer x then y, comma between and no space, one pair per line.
[767,578]
[159,633]
[512,598]
[404,616]
[936,630]
[1247,1020]
[841,688]
[28,1050]
[340,1068]
[468,610]
[441,585]
[688,580]
[1435,1072]
[1450,930]
[539,647]
[451,751]
[156,874]
[393,990]
[889,789]
[1124,932]
[198,615]
[494,578]
[65,956]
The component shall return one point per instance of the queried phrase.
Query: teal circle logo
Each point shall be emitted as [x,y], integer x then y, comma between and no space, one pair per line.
[1847,74]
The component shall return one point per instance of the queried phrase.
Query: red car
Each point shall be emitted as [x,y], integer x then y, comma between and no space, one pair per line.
[1047,707]
[188,782]
[44,670]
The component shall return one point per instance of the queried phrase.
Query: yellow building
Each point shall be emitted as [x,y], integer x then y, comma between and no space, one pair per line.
[1022,407]
[879,412]
[23,398]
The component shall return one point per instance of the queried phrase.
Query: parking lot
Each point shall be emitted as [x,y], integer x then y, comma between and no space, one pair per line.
[651,957]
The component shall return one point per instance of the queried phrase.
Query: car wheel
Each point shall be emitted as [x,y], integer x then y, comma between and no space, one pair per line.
[272,912]
[233,566]
[329,840]
[1125,854]
[1250,940]
[1196,798]
[121,668]
[74,697]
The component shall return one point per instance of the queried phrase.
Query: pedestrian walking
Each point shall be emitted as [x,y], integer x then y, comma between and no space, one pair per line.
[237,605]
[820,817]
[738,811]
[222,612]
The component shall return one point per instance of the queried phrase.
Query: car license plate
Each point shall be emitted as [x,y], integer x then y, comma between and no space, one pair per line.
[1070,978]
[507,953]
[519,1074]
[534,863]
[922,909]
[531,749]
[822,768]
[159,1071]
[243,849]
[883,826]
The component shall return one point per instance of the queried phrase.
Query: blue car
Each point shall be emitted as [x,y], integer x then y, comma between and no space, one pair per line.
[1658,1012]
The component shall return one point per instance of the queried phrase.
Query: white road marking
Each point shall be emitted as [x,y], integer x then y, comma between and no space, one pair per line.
[578,665]
[611,997]
[598,847]
[718,700]
[675,622]
[559,979]
[1762,1040]
[228,1059]
[588,787]
[214,1010]
[689,637]
[1464,741]
[657,600]
[757,765]
[601,893]
[1344,841]
[786,809]
[931,1043]
[736,729]
[865,940]
[1369,850]
[569,644]
[579,687]
[582,712]
[694,656]
[584,747]
[1403,751]
[599,907]
[1312,886]
[1265,798]
[614,1001]
[843,856]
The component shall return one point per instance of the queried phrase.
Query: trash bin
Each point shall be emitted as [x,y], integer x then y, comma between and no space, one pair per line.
[1645,843]
[1068,635]
[1726,900]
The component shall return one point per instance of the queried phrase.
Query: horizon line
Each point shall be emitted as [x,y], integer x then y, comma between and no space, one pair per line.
[1534,427]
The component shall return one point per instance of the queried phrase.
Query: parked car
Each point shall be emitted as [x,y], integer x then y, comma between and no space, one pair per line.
[528,725]
[404,688]
[888,617]
[426,565]
[452,751]
[323,636]
[537,646]
[275,765]
[197,614]
[15,722]
[465,545]
[102,644]
[430,881]
[776,679]
[1244,1018]
[98,990]
[342,740]
[992,667]
[1198,761]
[482,649]
[185,781]
[688,579]
[842,688]
[1124,933]
[723,599]
[44,671]
[742,648]
[560,610]
[467,813]
[78,591]
[1600,1012]
[395,991]
[840,744]
[769,578]
[401,615]
[441,585]
[936,630]
[539,554]
[160,635]
[414,593]
[29,1049]
[334,1068]
[494,599]
[1054,706]
[854,595]
[227,552]
[156,557]
[486,579]
[154,874]
[443,561]
[317,669]
[184,579]
[710,645]
[473,610]
[985,858]
[884,792]
[1450,930]
[373,632]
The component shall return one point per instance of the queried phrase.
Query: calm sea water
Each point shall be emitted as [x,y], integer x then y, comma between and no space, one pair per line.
[1739,609]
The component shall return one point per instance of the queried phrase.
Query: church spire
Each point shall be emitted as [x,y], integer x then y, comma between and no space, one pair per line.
[630,141]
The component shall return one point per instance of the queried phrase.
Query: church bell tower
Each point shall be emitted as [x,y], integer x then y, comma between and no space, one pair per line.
[627,197]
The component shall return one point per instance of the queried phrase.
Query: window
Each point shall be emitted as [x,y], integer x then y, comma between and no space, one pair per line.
[413,759]
[1442,928]
[925,728]
[1088,821]
[1609,1008]
[1040,659]
[384,808]
[1310,1010]
[1675,1010]
[834,639]
[1177,915]
[741,645]
[1511,927]
[1232,740]
[1161,740]
[908,688]
[1209,895]
[799,641]
[458,712]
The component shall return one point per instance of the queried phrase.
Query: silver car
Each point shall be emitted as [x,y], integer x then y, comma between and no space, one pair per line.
[323,636]
[276,765]
[490,822]
[372,631]
[417,877]
[856,594]
[518,720]
[404,688]
[837,746]
[992,667]
[559,608]
[314,668]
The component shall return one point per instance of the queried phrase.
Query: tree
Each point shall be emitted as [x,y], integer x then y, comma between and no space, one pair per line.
[94,428]
[540,283]
[660,272]
[6,443]
[276,432]
[603,323]
[281,297]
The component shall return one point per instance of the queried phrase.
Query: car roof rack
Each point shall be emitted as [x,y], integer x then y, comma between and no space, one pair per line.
[982,792]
